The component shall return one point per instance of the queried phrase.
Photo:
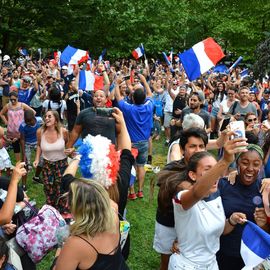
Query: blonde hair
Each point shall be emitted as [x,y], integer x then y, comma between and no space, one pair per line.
[58,124]
[91,207]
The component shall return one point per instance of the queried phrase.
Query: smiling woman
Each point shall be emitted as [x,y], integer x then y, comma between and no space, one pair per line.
[244,196]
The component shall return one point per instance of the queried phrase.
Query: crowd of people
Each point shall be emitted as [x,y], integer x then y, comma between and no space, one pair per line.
[54,127]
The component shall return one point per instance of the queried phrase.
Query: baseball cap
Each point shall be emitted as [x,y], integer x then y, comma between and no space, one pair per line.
[201,96]
[65,67]
[26,79]
[6,57]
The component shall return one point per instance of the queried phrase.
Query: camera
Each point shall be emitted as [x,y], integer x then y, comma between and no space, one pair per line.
[104,111]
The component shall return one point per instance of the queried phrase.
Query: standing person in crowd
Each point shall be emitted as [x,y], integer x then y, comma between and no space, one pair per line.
[244,196]
[138,118]
[95,239]
[5,81]
[227,103]
[28,88]
[72,100]
[168,109]
[5,162]
[179,103]
[12,115]
[28,140]
[220,96]
[201,205]
[196,102]
[55,102]
[239,109]
[193,140]
[94,120]
[51,140]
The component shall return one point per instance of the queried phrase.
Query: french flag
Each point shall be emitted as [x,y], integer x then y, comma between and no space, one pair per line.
[255,245]
[23,51]
[201,57]
[244,73]
[138,52]
[168,62]
[90,81]
[73,56]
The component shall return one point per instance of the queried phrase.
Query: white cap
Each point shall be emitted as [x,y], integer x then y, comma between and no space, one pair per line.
[65,67]
[6,57]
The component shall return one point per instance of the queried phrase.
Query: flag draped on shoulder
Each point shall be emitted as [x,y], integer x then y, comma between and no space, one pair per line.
[138,52]
[255,245]
[73,56]
[201,57]
[90,81]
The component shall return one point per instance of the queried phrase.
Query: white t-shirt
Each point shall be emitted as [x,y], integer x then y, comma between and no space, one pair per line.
[54,106]
[198,229]
[168,107]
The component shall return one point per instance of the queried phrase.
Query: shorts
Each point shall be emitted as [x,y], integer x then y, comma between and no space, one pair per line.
[142,147]
[28,154]
[167,119]
[164,238]
[179,262]
[214,112]
[16,146]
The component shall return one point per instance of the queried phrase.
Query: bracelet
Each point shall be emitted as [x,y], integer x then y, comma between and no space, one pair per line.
[230,222]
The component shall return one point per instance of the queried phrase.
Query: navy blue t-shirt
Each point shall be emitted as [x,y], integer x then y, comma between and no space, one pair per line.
[238,198]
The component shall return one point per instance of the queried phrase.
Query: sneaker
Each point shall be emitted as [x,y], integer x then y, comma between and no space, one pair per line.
[24,188]
[132,196]
[140,194]
[37,180]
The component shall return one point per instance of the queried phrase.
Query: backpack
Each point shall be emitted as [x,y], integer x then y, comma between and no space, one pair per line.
[58,109]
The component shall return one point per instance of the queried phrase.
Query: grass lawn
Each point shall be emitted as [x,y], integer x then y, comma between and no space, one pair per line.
[140,213]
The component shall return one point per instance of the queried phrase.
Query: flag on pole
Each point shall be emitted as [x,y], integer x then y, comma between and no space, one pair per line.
[102,55]
[138,52]
[244,73]
[168,62]
[240,58]
[90,81]
[73,56]
[255,245]
[201,57]
[23,51]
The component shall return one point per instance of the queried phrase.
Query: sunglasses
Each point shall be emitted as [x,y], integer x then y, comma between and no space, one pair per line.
[253,119]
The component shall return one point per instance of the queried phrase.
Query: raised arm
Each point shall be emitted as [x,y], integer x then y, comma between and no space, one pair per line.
[146,85]
[7,210]
[202,187]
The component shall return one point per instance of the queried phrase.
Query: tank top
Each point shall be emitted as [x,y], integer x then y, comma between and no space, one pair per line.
[15,118]
[53,151]
[111,261]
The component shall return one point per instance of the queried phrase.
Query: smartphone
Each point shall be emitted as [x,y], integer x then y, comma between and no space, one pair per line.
[126,77]
[239,128]
[225,123]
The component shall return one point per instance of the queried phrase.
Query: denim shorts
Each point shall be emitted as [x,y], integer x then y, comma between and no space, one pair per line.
[142,147]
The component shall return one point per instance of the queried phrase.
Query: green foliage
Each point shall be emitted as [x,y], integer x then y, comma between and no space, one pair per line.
[120,26]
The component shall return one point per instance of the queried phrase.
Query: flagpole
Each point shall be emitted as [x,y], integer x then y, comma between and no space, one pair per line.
[145,59]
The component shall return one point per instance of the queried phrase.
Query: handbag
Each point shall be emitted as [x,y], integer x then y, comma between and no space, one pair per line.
[38,235]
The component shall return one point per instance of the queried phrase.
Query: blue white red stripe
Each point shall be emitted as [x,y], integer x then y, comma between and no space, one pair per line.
[201,57]
[90,81]
[73,56]
[138,52]
[255,245]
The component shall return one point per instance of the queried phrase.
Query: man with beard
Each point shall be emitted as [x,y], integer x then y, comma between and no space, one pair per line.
[196,102]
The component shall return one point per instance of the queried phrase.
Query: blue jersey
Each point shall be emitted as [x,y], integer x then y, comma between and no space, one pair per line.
[30,132]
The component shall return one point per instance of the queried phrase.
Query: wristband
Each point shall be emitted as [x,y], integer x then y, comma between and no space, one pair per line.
[230,222]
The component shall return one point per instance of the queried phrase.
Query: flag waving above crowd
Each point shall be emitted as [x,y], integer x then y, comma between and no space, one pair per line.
[138,52]
[73,56]
[201,57]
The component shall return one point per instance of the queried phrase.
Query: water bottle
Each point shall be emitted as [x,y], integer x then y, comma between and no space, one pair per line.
[62,233]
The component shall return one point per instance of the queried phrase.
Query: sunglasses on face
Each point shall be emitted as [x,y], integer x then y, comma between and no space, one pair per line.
[253,119]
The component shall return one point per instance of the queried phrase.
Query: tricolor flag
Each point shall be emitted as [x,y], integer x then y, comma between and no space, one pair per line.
[90,81]
[169,63]
[23,51]
[240,58]
[73,56]
[255,245]
[57,55]
[244,73]
[201,57]
[102,55]
[139,52]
